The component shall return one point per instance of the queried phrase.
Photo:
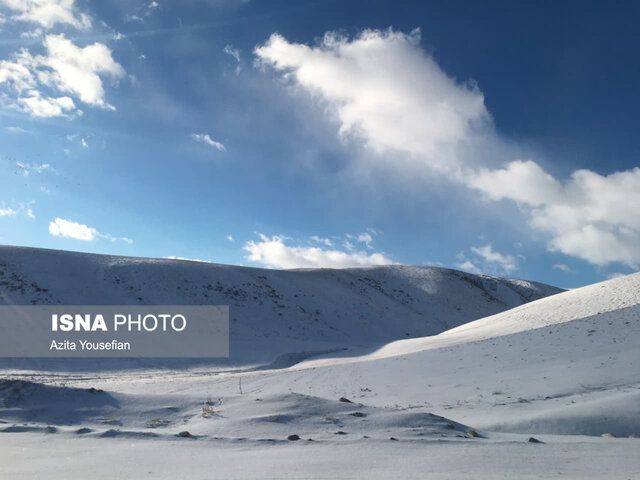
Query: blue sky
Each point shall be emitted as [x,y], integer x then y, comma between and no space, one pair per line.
[495,137]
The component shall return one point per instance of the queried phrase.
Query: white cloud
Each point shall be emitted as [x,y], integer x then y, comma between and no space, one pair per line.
[366,238]
[14,129]
[229,238]
[48,13]
[468,266]
[562,267]
[84,143]
[235,53]
[7,212]
[77,70]
[383,89]
[142,12]
[273,252]
[20,208]
[40,106]
[31,34]
[60,227]
[205,138]
[324,241]
[589,216]
[524,182]
[507,263]
[66,228]
[66,69]
[27,168]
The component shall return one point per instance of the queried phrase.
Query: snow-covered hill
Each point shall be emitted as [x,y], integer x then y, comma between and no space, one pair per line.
[276,316]
[567,364]
[459,403]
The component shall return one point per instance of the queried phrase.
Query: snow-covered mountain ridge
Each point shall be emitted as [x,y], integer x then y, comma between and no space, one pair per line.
[272,312]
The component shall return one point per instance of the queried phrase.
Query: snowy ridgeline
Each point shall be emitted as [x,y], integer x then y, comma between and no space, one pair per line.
[276,316]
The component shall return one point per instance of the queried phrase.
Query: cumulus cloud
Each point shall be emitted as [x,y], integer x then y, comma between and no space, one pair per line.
[506,263]
[589,216]
[77,70]
[48,13]
[60,227]
[383,89]
[66,71]
[205,138]
[42,106]
[229,238]
[275,253]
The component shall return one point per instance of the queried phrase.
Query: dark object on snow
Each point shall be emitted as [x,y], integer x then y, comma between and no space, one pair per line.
[50,429]
[293,437]
[94,390]
[450,426]
[358,414]
[184,434]
[393,438]
[340,432]
[473,433]
[534,440]
[82,431]
[345,400]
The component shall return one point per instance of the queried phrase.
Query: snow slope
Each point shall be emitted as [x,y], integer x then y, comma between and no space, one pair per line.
[567,364]
[276,316]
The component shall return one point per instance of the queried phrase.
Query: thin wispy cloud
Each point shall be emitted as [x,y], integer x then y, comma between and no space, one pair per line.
[207,140]
[562,267]
[142,12]
[235,53]
[27,169]
[14,129]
